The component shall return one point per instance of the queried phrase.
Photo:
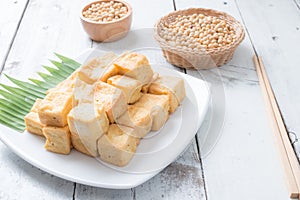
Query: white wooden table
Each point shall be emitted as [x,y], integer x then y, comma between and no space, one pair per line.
[244,164]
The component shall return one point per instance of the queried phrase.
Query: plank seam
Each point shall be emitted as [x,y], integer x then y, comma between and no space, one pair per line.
[174,5]
[246,29]
[13,38]
[297,4]
[133,193]
[74,191]
[201,167]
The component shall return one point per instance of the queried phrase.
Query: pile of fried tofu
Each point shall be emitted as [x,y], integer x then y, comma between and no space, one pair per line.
[106,107]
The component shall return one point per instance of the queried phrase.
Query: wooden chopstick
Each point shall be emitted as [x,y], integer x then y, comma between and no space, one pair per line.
[287,154]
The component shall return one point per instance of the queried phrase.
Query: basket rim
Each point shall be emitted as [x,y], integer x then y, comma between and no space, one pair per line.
[236,25]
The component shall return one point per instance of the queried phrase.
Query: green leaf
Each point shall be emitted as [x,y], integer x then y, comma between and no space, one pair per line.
[48,78]
[12,107]
[9,114]
[12,124]
[20,93]
[57,72]
[28,86]
[70,62]
[42,84]
[19,100]
[63,67]
[12,119]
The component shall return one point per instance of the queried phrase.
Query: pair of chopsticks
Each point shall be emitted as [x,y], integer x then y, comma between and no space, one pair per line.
[287,154]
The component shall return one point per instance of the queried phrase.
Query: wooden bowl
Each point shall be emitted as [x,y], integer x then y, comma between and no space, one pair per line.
[107,31]
[206,58]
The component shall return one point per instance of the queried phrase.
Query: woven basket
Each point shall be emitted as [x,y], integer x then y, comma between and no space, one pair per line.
[202,59]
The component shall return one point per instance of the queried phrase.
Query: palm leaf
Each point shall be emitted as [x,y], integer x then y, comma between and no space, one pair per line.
[71,63]
[28,86]
[49,78]
[16,101]
[42,84]
[15,108]
[20,93]
[13,125]
[55,71]
[63,67]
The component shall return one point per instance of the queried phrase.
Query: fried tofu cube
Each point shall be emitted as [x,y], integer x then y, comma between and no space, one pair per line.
[117,147]
[33,124]
[171,86]
[36,105]
[145,87]
[130,87]
[54,109]
[111,98]
[83,92]
[112,70]
[58,139]
[65,86]
[32,120]
[78,145]
[158,106]
[96,67]
[87,124]
[109,72]
[135,66]
[137,118]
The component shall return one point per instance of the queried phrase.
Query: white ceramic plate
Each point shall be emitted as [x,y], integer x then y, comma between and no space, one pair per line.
[153,154]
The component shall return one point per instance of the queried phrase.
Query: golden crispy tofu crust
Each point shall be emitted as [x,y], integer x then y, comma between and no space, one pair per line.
[111,98]
[117,146]
[54,109]
[78,145]
[135,66]
[66,85]
[36,106]
[158,106]
[33,124]
[96,68]
[130,87]
[58,139]
[112,70]
[32,120]
[88,123]
[137,118]
[171,86]
[83,93]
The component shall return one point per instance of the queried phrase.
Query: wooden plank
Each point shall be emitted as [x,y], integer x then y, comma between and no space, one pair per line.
[244,163]
[180,180]
[92,193]
[146,13]
[276,46]
[56,29]
[47,26]
[10,15]
[20,180]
